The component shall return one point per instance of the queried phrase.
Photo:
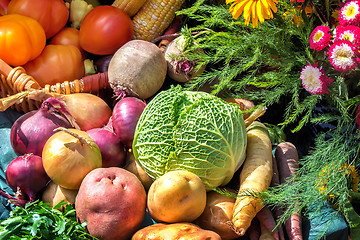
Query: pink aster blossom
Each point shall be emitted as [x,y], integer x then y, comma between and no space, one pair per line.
[349,32]
[314,79]
[350,13]
[320,38]
[343,55]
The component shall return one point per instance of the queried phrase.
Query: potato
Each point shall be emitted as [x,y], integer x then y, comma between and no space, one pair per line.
[133,166]
[176,196]
[175,231]
[217,215]
[54,194]
[138,68]
[113,202]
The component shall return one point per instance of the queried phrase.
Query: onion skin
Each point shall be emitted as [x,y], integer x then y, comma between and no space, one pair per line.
[68,159]
[125,116]
[26,175]
[112,150]
[30,132]
[88,110]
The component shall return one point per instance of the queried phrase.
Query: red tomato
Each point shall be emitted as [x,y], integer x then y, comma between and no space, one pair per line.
[51,14]
[21,39]
[3,6]
[56,64]
[68,36]
[104,30]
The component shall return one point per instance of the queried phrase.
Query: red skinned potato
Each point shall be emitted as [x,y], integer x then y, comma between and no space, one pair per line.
[113,202]
[175,231]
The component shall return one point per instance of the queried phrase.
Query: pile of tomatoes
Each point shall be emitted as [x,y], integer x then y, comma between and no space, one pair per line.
[38,35]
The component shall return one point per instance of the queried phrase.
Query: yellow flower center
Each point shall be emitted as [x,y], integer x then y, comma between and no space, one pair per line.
[350,11]
[318,36]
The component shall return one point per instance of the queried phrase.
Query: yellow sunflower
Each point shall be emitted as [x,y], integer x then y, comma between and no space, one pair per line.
[257,10]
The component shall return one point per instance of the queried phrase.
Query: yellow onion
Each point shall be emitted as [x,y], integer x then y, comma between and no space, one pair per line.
[69,155]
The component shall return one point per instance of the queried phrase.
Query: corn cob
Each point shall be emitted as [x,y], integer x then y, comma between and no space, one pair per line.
[131,7]
[154,17]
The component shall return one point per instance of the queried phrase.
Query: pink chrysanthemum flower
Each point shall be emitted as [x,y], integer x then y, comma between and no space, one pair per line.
[343,55]
[320,38]
[350,32]
[314,79]
[350,13]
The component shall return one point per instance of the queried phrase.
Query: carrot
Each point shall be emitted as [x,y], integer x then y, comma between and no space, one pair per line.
[287,159]
[277,211]
[255,176]
[253,232]
[267,224]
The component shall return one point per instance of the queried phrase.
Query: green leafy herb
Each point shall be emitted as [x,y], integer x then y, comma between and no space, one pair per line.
[40,221]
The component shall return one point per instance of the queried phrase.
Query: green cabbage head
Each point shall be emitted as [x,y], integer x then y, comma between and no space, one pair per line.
[193,131]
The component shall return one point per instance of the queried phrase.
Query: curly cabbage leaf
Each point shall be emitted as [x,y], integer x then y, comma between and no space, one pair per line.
[193,131]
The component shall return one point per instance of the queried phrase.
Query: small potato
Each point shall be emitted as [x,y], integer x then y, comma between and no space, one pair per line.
[217,215]
[175,231]
[177,196]
[54,194]
[133,166]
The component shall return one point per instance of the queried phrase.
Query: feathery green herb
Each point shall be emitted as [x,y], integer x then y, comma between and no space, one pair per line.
[40,221]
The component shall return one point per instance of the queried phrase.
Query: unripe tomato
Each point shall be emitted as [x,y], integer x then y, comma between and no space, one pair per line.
[51,14]
[104,30]
[21,39]
[56,64]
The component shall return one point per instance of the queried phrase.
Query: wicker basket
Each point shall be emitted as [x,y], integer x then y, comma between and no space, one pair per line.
[15,80]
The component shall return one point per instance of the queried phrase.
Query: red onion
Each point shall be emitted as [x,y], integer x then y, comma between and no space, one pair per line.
[30,132]
[112,150]
[26,175]
[125,116]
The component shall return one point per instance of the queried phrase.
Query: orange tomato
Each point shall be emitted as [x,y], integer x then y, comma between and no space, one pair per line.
[21,39]
[51,14]
[68,36]
[56,64]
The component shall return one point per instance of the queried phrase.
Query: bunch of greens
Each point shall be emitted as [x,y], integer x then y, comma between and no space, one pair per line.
[262,64]
[37,220]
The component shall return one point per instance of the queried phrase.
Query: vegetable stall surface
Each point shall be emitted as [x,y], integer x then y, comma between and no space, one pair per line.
[255,176]
[194,131]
